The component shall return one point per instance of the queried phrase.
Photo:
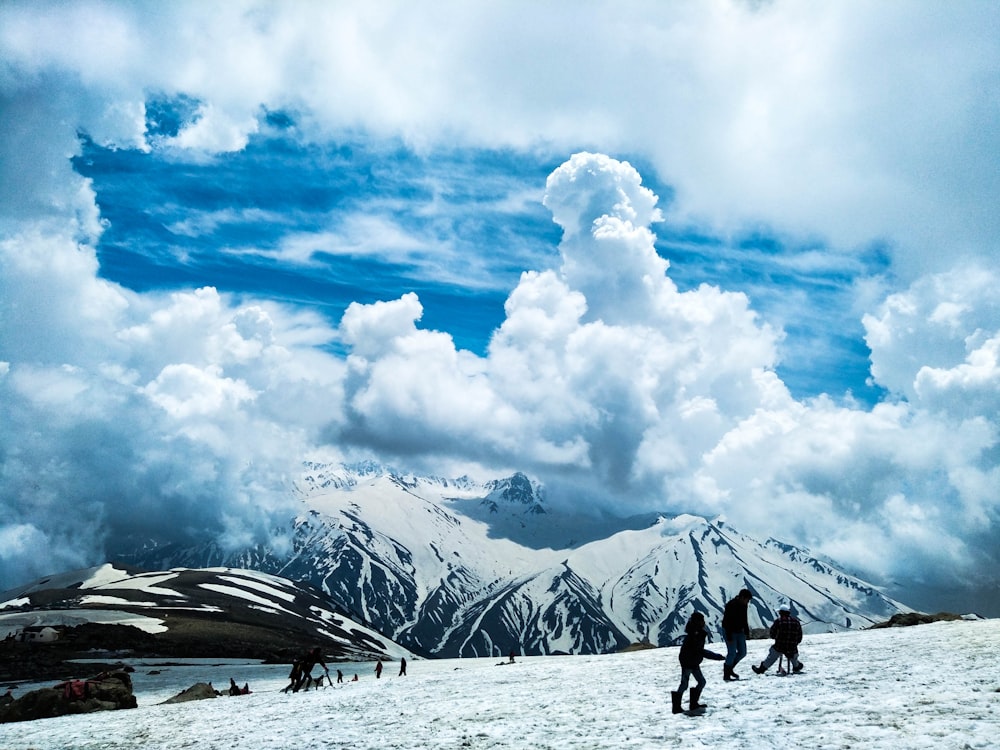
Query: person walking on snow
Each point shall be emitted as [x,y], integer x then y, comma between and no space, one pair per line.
[692,652]
[309,660]
[736,629]
[787,634]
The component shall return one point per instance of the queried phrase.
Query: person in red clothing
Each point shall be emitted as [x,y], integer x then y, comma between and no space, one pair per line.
[787,634]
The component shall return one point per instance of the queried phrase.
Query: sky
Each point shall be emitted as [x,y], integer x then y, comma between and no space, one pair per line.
[923,687]
[727,258]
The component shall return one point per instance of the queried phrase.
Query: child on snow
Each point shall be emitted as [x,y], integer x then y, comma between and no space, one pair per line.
[692,652]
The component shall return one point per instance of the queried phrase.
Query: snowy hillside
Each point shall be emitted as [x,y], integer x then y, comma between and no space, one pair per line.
[193,610]
[456,568]
[929,686]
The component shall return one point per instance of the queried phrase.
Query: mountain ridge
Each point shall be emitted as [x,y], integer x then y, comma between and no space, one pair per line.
[113,610]
[464,568]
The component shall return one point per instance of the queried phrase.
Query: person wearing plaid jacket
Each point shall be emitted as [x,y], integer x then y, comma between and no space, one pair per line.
[787,634]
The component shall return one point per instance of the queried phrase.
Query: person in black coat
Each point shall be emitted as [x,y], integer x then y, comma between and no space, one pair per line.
[736,628]
[692,652]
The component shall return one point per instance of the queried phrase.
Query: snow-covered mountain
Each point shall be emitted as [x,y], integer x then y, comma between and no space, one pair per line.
[218,611]
[460,568]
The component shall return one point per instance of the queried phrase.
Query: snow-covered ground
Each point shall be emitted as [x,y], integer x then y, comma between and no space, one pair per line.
[931,686]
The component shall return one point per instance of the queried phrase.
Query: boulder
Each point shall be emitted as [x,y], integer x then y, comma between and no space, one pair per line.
[907,619]
[108,691]
[196,692]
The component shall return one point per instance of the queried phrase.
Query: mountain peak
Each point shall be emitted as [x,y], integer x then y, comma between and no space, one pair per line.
[516,489]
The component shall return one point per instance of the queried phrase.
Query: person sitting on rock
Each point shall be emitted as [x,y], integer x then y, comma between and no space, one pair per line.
[234,689]
[787,634]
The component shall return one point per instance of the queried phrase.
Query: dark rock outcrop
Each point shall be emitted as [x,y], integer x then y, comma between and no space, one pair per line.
[905,619]
[196,692]
[105,692]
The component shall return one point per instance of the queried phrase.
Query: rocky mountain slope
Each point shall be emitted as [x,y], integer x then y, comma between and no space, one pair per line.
[218,612]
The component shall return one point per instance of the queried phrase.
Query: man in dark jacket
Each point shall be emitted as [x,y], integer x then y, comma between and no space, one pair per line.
[736,628]
[787,634]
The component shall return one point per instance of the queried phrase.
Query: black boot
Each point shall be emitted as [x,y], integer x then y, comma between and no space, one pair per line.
[675,698]
[693,704]
[759,670]
[728,674]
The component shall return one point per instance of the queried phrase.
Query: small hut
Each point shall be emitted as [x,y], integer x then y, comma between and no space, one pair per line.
[39,634]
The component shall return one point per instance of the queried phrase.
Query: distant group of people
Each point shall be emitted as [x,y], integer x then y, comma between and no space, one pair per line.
[301,675]
[402,668]
[786,632]
[301,678]
[235,689]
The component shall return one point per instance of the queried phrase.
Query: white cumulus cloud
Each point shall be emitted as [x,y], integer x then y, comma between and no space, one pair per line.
[856,124]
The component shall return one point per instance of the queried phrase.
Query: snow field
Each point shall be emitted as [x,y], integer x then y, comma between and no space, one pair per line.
[931,686]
